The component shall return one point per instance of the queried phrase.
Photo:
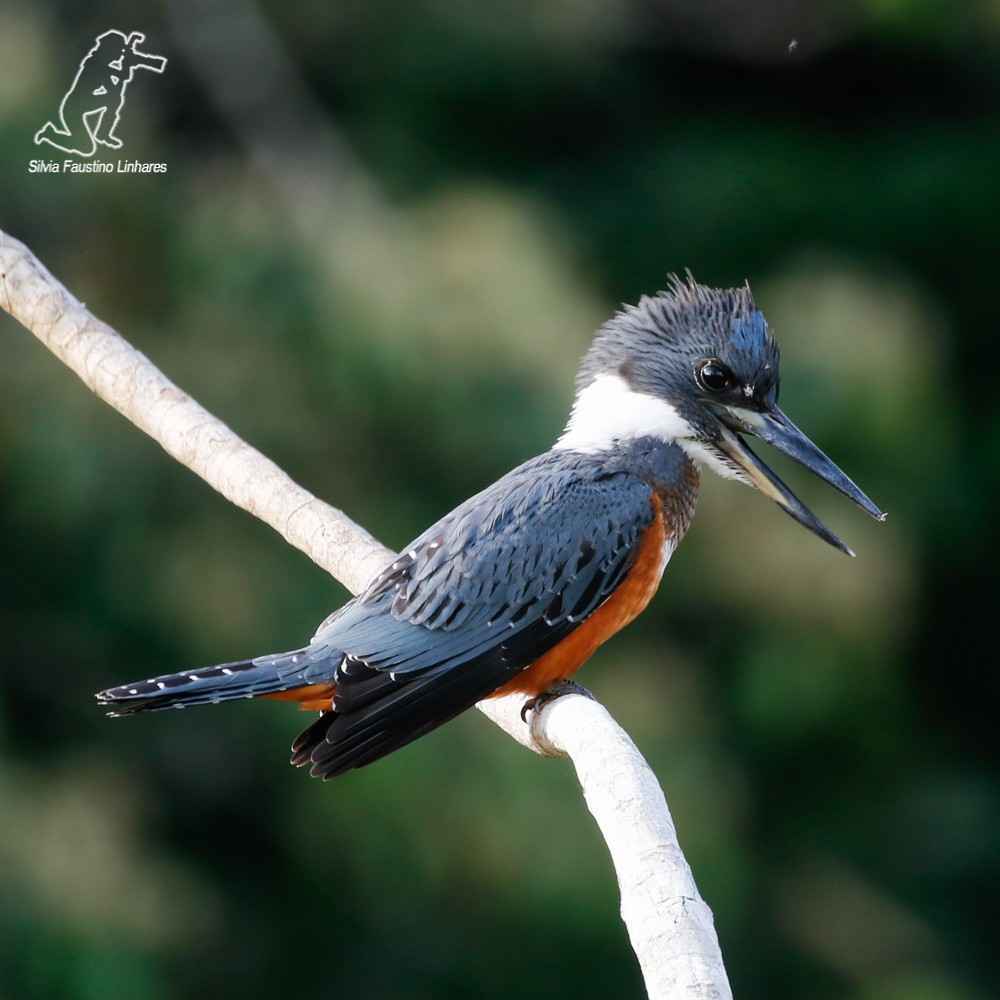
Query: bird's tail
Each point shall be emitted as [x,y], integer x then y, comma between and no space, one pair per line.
[300,675]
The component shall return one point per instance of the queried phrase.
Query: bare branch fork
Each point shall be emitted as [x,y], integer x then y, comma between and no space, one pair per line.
[670,926]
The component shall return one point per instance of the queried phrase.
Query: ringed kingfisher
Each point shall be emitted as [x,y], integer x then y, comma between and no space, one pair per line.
[517,586]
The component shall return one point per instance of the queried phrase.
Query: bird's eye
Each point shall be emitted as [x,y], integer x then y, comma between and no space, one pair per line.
[714,376]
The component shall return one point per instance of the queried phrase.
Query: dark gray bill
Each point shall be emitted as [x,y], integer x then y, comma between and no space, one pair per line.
[779,432]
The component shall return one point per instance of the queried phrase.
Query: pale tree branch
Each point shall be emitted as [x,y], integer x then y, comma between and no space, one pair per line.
[669,924]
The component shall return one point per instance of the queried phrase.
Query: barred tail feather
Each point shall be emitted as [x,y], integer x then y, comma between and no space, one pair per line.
[261,676]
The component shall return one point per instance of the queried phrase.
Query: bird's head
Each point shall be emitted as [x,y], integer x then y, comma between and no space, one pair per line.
[699,366]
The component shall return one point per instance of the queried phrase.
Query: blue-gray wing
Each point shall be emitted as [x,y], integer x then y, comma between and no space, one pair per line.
[471,603]
[535,547]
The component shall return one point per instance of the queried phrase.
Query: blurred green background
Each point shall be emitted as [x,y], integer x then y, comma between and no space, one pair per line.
[385,236]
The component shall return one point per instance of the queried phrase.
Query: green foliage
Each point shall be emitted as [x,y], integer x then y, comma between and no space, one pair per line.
[391,304]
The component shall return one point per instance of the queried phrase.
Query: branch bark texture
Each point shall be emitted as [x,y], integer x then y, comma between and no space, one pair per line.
[669,924]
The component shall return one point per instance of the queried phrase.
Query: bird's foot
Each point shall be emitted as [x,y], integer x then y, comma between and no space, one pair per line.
[553,691]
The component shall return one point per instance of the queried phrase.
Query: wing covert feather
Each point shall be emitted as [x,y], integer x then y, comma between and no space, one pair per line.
[528,557]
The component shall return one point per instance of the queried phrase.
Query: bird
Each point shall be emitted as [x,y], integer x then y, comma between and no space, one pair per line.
[514,589]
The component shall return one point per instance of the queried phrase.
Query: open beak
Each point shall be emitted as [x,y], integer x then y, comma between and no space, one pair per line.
[777,430]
